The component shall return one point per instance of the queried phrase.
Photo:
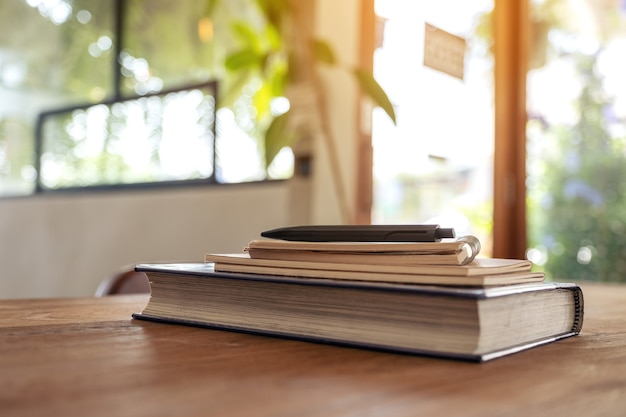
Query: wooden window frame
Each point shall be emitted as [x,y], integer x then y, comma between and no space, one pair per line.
[364,151]
[509,192]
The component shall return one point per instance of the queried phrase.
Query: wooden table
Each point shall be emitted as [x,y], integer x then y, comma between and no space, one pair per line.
[86,357]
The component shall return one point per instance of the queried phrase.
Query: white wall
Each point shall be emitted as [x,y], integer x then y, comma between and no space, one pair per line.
[337,22]
[64,244]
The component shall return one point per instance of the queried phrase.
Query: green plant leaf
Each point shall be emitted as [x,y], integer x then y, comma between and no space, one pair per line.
[278,79]
[243,59]
[274,10]
[247,34]
[262,99]
[274,37]
[371,87]
[277,136]
[323,52]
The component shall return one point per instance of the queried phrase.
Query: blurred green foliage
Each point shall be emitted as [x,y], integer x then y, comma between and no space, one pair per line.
[578,207]
[577,163]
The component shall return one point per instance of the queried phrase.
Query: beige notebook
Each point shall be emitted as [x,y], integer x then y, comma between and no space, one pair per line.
[480,272]
[385,253]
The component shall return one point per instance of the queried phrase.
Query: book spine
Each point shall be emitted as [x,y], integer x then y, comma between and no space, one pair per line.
[579,310]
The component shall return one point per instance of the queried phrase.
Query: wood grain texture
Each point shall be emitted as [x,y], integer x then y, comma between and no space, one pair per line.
[511,21]
[87,357]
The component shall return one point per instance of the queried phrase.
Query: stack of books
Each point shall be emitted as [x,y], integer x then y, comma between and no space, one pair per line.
[432,298]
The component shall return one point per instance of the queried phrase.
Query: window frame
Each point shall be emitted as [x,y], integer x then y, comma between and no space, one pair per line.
[511,47]
[116,95]
[211,86]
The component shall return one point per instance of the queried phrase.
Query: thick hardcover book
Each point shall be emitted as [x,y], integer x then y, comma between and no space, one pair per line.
[455,322]
[379,253]
[480,272]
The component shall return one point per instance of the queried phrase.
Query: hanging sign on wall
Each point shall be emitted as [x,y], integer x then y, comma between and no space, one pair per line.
[444,51]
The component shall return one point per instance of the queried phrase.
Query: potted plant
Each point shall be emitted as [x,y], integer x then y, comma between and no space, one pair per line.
[281,57]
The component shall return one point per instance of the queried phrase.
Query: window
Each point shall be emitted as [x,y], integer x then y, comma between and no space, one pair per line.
[164,137]
[90,61]
[576,138]
[435,166]
[560,139]
[45,63]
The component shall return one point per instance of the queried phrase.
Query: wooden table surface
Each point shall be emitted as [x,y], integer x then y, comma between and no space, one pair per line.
[86,357]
